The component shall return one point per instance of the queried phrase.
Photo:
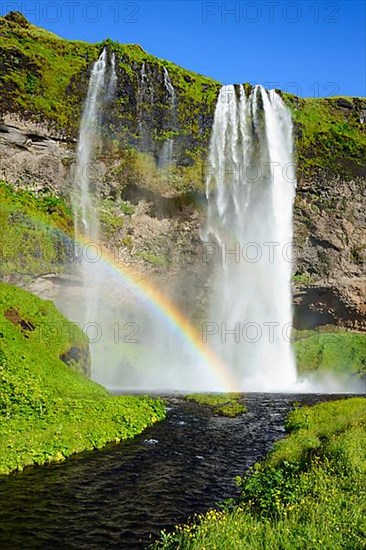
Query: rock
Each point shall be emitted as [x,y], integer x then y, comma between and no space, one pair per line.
[18,18]
[344,103]
[78,359]
[33,157]
[44,288]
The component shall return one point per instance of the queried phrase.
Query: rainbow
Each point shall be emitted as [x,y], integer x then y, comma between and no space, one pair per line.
[161,306]
[168,312]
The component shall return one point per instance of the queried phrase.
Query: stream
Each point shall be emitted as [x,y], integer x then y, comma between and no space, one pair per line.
[122,496]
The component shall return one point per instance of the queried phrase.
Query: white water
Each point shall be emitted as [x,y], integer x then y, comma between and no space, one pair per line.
[112,85]
[133,344]
[250,191]
[166,157]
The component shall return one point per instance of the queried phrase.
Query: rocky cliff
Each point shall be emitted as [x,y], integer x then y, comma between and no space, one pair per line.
[152,215]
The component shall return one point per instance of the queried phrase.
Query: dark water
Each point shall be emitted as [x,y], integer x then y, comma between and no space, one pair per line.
[118,497]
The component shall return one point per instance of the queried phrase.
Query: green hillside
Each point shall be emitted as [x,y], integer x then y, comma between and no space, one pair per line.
[49,409]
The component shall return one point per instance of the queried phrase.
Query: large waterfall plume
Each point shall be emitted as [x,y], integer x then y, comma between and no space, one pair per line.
[250,191]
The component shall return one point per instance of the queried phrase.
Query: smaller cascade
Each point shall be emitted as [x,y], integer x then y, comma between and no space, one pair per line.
[112,84]
[145,96]
[143,72]
[167,151]
[85,219]
[169,86]
[102,85]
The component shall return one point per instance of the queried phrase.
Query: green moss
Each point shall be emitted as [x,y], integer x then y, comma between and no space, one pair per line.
[331,350]
[39,73]
[302,278]
[358,254]
[224,404]
[328,138]
[36,233]
[48,410]
[153,259]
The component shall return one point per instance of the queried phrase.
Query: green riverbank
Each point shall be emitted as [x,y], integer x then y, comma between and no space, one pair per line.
[49,409]
[309,492]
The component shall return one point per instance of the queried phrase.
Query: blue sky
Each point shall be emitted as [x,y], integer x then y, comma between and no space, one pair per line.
[311,48]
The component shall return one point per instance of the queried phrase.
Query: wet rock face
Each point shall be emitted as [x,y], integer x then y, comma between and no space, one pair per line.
[32,156]
[318,306]
[78,359]
[163,236]
[330,245]
[144,115]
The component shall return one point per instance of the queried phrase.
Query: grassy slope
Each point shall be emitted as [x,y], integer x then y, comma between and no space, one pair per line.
[48,410]
[37,71]
[36,234]
[224,404]
[331,350]
[310,491]
[327,137]
[46,76]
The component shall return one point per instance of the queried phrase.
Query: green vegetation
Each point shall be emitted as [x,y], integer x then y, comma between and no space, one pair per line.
[328,137]
[224,404]
[40,73]
[45,77]
[358,254]
[196,98]
[132,166]
[309,492]
[302,279]
[49,409]
[153,259]
[36,233]
[331,350]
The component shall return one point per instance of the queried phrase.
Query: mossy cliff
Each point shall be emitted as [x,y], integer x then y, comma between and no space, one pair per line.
[44,79]
[49,409]
[153,216]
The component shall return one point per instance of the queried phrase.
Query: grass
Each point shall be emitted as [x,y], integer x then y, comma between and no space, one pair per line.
[331,350]
[327,138]
[309,492]
[153,259]
[50,409]
[36,233]
[302,279]
[45,77]
[40,73]
[223,404]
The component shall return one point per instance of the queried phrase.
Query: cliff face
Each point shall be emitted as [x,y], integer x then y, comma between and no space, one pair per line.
[153,216]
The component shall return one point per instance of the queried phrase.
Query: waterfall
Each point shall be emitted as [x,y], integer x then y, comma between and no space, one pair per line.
[250,189]
[86,220]
[145,96]
[102,85]
[112,85]
[149,96]
[169,86]
[167,151]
